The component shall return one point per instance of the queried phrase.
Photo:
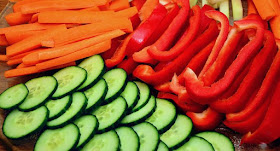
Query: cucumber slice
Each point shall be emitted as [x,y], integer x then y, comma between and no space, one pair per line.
[61,139]
[178,133]
[40,89]
[116,81]
[145,94]
[96,94]
[219,141]
[69,79]
[131,94]
[140,115]
[196,144]
[58,107]
[95,68]
[163,147]
[13,96]
[128,138]
[20,124]
[76,108]
[110,114]
[164,116]
[148,135]
[108,141]
[87,125]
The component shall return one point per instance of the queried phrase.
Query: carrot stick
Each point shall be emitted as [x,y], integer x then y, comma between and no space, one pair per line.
[34,18]
[75,16]
[17,6]
[147,9]
[94,8]
[17,18]
[117,5]
[67,49]
[86,52]
[275,5]
[251,7]
[3,40]
[90,30]
[50,5]
[11,62]
[31,70]
[34,42]
[274,25]
[129,12]
[22,55]
[265,10]
[3,58]
[14,37]
[22,66]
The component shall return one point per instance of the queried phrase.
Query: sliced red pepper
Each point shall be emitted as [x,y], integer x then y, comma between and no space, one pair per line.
[128,65]
[138,3]
[205,21]
[163,87]
[135,20]
[222,18]
[147,74]
[196,88]
[158,50]
[252,80]
[207,120]
[114,46]
[144,31]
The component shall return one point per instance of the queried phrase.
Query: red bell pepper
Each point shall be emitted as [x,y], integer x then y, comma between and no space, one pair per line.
[158,50]
[128,65]
[196,88]
[114,46]
[163,87]
[135,20]
[144,31]
[207,120]
[205,21]
[252,80]
[222,18]
[138,3]
[148,75]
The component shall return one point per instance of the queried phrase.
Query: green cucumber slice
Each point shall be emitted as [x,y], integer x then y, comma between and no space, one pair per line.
[178,133]
[40,89]
[108,141]
[13,96]
[69,79]
[95,68]
[20,124]
[61,139]
[145,94]
[196,144]
[163,147]
[58,107]
[128,138]
[131,94]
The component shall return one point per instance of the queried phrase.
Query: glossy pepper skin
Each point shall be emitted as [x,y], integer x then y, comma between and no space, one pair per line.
[147,74]
[196,88]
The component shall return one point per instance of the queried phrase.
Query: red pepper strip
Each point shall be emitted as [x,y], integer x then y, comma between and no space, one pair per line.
[222,18]
[269,130]
[114,46]
[205,21]
[196,88]
[252,80]
[251,123]
[145,30]
[135,20]
[148,75]
[163,87]
[257,17]
[263,92]
[128,65]
[142,56]
[138,3]
[119,54]
[158,52]
[207,120]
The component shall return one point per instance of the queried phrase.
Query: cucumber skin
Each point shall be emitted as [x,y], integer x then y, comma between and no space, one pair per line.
[42,103]
[168,127]
[63,111]
[150,93]
[135,101]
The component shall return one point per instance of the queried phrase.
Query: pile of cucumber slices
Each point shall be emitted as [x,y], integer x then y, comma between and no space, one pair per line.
[85,108]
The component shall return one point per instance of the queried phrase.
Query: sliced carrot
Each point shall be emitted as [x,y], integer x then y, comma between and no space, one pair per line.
[14,37]
[265,10]
[67,49]
[117,5]
[32,58]
[17,6]
[3,40]
[251,7]
[11,62]
[34,18]
[147,9]
[129,12]
[17,18]
[274,25]
[3,58]
[34,41]
[21,71]
[50,5]
[87,52]
[47,43]
[94,8]
[22,66]
[275,5]
[75,16]
[101,2]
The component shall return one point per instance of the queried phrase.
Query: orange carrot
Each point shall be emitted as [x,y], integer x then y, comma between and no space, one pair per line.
[129,12]
[117,5]
[22,66]
[3,58]
[91,30]
[17,18]
[94,8]
[48,43]
[50,5]
[86,52]
[33,58]
[147,9]
[11,62]
[275,5]
[101,2]
[14,37]
[17,6]
[21,71]
[70,48]
[265,10]
[274,25]
[34,18]
[34,41]
[75,16]
[3,40]
[22,55]
[251,7]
